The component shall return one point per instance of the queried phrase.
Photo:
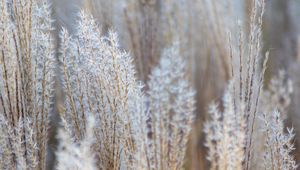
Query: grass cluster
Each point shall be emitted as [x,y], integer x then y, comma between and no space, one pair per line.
[115,116]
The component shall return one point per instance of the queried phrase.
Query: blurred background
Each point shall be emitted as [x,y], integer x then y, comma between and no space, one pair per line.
[203,28]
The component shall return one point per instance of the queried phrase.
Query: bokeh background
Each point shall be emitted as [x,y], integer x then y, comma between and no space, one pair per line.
[203,28]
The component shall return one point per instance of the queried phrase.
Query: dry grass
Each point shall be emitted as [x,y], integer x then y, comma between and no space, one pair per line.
[137,112]
[26,83]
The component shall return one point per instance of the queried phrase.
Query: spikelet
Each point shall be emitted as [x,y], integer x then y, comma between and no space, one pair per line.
[26,72]
[167,122]
[278,144]
[77,156]
[99,79]
[225,134]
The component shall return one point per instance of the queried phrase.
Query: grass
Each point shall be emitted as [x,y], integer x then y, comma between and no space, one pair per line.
[137,112]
